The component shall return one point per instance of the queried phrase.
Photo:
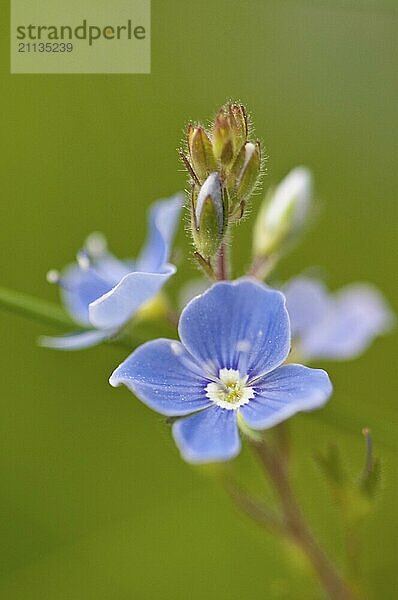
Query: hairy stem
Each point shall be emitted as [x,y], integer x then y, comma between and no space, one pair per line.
[274,461]
[222,266]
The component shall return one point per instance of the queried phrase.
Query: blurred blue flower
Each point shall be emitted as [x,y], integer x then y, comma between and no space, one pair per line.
[336,326]
[234,338]
[103,292]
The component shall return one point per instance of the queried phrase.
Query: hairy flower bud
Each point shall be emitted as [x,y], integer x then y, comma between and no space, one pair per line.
[283,214]
[249,171]
[243,176]
[208,216]
[222,142]
[238,121]
[200,152]
[222,157]
[229,132]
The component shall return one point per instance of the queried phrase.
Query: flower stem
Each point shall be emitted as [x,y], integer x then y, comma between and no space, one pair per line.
[274,461]
[262,266]
[35,309]
[50,313]
[222,266]
[254,508]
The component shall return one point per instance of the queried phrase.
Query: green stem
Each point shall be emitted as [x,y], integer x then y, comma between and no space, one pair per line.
[262,266]
[253,508]
[35,309]
[222,266]
[52,314]
[275,464]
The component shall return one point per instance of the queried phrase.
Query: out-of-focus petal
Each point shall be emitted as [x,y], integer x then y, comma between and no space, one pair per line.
[237,325]
[103,262]
[208,436]
[284,392]
[79,288]
[75,341]
[359,313]
[163,375]
[307,302]
[119,304]
[163,219]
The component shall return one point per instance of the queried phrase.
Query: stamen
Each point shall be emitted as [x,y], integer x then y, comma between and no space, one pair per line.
[96,244]
[53,276]
[83,260]
[230,391]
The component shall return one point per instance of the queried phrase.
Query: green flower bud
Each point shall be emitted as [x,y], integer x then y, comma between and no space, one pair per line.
[208,216]
[229,132]
[243,177]
[201,153]
[238,120]
[222,142]
[250,163]
[284,213]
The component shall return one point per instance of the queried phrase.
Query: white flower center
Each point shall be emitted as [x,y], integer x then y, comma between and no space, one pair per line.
[230,391]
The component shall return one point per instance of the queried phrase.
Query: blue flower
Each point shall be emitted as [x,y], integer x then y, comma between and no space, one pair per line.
[227,368]
[336,326]
[102,292]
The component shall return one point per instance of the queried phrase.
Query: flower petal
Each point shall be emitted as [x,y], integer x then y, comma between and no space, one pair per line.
[237,325]
[208,436]
[163,219]
[79,288]
[307,302]
[75,341]
[163,375]
[119,304]
[106,265]
[284,392]
[358,315]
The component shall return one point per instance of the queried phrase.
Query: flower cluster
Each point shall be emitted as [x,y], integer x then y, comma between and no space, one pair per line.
[224,168]
[234,368]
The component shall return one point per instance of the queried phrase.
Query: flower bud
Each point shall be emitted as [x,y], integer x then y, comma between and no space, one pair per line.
[283,214]
[229,132]
[201,153]
[238,120]
[243,176]
[250,164]
[222,142]
[208,216]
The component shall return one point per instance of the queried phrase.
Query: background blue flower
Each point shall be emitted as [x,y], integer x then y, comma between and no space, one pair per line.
[335,326]
[103,292]
[234,338]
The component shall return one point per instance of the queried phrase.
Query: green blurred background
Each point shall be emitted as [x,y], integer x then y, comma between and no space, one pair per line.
[95,501]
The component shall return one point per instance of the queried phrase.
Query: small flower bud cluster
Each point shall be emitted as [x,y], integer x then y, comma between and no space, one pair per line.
[224,168]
